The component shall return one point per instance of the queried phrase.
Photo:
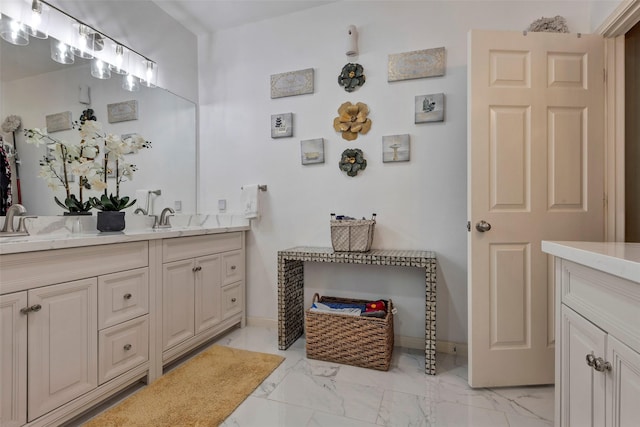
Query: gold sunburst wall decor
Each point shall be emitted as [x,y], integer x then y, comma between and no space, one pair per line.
[352,120]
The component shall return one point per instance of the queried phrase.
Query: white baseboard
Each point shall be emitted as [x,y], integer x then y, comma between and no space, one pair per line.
[400,340]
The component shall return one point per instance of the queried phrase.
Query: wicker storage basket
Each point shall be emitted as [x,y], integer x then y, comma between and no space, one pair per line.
[352,235]
[353,340]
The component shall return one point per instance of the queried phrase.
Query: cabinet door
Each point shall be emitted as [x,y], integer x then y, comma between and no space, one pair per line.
[13,360]
[583,388]
[623,393]
[62,341]
[208,282]
[178,300]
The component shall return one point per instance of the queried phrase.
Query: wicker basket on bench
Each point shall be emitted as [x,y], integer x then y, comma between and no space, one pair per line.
[353,340]
[352,235]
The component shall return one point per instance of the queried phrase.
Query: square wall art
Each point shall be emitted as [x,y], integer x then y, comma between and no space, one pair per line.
[395,148]
[312,151]
[429,108]
[281,125]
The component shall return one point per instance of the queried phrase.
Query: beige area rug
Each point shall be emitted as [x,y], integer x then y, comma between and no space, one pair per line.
[202,392]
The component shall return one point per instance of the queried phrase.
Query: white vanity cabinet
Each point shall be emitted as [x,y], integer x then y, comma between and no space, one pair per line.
[597,335]
[55,344]
[202,289]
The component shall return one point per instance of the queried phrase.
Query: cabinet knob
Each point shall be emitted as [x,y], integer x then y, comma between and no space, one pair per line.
[591,360]
[233,267]
[198,268]
[600,365]
[27,310]
[233,300]
[127,346]
[127,296]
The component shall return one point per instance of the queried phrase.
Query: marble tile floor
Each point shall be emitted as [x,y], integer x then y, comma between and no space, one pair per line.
[304,392]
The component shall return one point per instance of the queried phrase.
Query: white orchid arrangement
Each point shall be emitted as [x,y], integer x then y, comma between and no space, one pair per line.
[81,160]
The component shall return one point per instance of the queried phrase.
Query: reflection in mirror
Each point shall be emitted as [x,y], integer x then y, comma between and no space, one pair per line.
[34,87]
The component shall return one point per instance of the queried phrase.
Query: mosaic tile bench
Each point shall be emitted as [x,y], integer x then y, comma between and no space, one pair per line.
[291,288]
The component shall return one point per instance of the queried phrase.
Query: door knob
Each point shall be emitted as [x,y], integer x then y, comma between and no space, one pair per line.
[483,226]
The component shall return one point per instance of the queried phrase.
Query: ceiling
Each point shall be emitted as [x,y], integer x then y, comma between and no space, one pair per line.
[207,16]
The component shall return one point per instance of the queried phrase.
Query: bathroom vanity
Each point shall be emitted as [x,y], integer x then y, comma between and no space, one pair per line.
[85,315]
[597,333]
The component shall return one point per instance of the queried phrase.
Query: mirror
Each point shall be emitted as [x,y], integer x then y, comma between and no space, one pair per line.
[34,86]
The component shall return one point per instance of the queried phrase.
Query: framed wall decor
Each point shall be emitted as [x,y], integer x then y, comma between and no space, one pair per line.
[429,108]
[59,121]
[395,148]
[312,151]
[292,83]
[281,125]
[416,65]
[122,111]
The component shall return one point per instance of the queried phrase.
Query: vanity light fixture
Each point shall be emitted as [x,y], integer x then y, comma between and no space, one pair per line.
[71,37]
[84,42]
[130,83]
[150,78]
[61,52]
[100,69]
[36,19]
[14,32]
[121,60]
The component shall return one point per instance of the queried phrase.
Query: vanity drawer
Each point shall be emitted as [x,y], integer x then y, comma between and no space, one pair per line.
[233,267]
[122,347]
[122,296]
[180,248]
[232,299]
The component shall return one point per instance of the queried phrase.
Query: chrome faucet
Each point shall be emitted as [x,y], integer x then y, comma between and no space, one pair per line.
[11,212]
[163,221]
[140,211]
[8,229]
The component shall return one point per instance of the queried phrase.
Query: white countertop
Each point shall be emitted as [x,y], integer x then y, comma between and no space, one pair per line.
[48,233]
[619,259]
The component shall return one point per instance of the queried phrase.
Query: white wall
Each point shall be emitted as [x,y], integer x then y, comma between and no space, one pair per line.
[420,204]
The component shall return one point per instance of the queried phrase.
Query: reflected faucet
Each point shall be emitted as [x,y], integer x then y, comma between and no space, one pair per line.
[164,217]
[13,210]
[140,211]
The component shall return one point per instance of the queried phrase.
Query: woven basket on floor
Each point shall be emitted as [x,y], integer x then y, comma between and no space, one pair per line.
[353,340]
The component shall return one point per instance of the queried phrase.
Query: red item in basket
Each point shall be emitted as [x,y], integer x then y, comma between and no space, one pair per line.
[375,306]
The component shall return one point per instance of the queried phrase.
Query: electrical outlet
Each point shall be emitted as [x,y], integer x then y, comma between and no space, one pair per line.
[177,206]
[222,205]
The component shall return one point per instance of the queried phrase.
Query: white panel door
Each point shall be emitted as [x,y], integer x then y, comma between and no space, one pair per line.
[177,302]
[13,360]
[63,344]
[535,172]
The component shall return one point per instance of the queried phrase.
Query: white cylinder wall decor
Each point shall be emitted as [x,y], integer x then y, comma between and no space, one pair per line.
[352,41]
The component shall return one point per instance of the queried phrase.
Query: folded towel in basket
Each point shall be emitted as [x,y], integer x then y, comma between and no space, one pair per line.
[336,308]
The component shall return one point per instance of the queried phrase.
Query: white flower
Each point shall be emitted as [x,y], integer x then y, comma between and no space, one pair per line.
[36,136]
[91,129]
[11,123]
[97,183]
[83,167]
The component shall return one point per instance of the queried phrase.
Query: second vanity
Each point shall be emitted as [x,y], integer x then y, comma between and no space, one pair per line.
[86,315]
